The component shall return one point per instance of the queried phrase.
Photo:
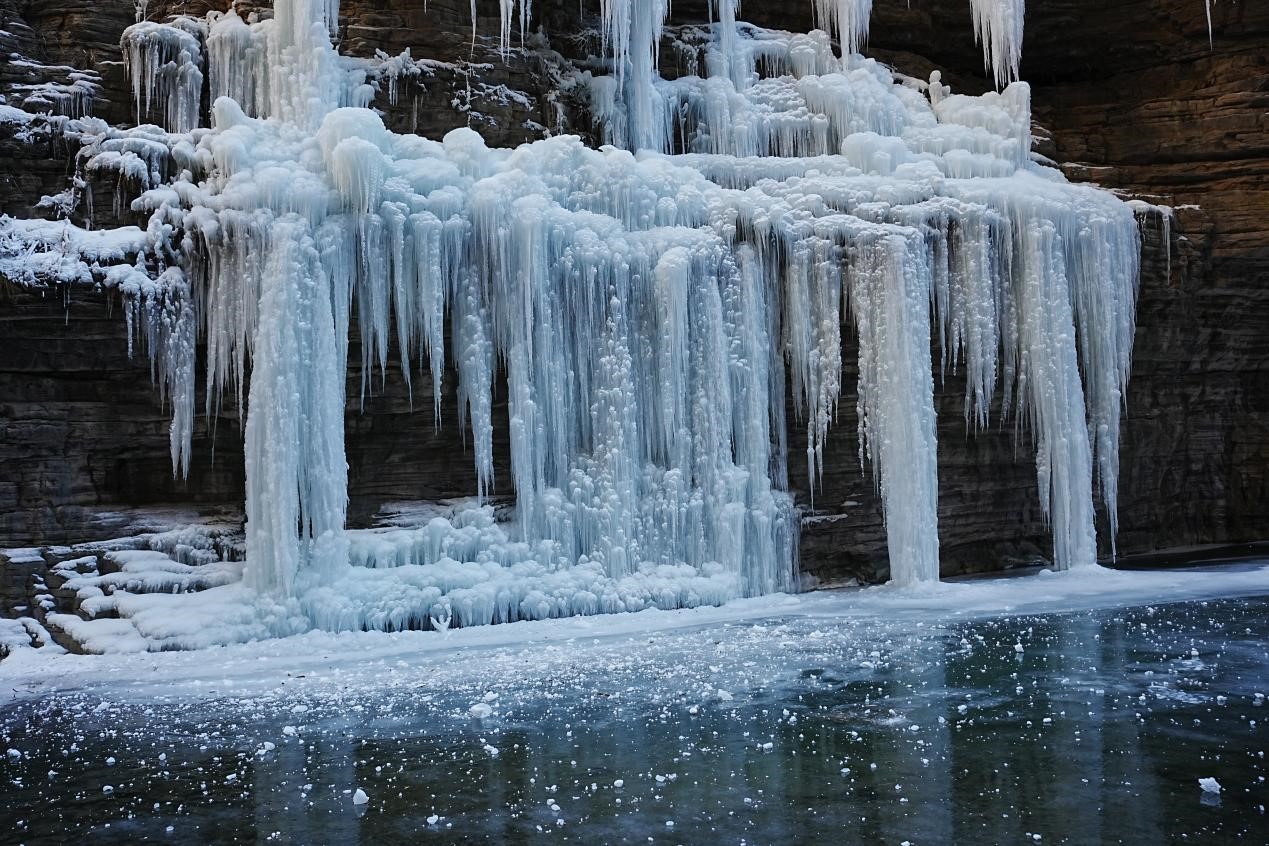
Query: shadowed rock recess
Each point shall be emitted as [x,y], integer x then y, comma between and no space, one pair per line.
[1129,95]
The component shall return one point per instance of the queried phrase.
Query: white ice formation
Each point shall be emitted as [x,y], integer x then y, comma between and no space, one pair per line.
[650,310]
[165,64]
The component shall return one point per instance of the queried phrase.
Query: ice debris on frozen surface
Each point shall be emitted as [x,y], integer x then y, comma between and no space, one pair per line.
[650,312]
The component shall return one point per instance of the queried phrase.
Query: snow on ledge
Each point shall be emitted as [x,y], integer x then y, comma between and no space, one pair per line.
[40,252]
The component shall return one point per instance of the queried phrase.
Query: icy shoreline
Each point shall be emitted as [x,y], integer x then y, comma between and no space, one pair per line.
[316,660]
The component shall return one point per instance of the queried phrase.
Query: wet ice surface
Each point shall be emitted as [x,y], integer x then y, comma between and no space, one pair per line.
[802,724]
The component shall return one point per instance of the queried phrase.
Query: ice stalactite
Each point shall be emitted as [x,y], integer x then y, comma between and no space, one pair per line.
[650,312]
[999,25]
[1104,299]
[1052,393]
[848,18]
[165,64]
[507,10]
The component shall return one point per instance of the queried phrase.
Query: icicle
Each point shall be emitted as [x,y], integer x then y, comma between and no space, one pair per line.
[998,25]
[848,18]
[506,11]
[164,62]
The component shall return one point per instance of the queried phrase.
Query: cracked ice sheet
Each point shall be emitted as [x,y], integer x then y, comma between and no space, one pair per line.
[334,664]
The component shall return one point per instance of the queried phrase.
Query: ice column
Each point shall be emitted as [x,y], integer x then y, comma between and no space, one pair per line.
[283,66]
[303,75]
[889,279]
[297,474]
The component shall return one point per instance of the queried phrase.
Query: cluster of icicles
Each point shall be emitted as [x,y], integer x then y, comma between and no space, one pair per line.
[650,311]
[632,29]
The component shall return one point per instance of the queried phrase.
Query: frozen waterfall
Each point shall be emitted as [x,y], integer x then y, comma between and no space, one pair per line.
[650,308]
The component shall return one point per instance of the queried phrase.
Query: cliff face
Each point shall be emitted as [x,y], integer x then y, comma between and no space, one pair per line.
[1132,97]
[1150,108]
[83,434]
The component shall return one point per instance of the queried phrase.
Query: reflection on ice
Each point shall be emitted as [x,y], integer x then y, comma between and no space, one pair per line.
[790,728]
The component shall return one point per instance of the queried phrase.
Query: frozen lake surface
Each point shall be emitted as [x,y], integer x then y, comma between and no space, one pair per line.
[1076,708]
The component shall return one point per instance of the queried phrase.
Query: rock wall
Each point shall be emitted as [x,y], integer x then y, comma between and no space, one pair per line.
[1132,96]
[1152,109]
[83,434]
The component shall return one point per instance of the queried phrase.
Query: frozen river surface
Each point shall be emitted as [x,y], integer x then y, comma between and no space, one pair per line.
[1045,709]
